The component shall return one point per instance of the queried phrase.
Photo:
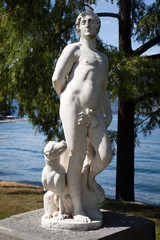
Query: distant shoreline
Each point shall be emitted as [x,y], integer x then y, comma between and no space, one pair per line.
[8,120]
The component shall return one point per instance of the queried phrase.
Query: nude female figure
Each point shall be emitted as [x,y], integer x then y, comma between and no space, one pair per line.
[80,79]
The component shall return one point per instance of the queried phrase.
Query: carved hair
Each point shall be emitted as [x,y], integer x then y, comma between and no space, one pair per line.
[82,15]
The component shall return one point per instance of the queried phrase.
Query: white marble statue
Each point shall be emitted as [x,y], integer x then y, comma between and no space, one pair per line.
[80,79]
[53,178]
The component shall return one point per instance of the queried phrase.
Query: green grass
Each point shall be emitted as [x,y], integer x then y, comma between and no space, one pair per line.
[18,198]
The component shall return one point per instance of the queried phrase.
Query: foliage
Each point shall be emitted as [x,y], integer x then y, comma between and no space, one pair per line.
[6,109]
[95,1]
[32,36]
[113,138]
[139,83]
[136,73]
[148,25]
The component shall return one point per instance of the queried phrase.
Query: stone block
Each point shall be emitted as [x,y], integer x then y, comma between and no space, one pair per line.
[115,226]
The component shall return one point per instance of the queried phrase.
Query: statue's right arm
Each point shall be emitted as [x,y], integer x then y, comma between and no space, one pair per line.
[63,67]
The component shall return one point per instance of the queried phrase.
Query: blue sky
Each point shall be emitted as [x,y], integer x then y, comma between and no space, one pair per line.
[109,26]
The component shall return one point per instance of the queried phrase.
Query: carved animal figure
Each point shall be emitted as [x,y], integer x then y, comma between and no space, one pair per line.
[53,178]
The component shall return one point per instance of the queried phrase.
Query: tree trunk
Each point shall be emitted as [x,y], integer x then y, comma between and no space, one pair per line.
[126,109]
[125,152]
[125,27]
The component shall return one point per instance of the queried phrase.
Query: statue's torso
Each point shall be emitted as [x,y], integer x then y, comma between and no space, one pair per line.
[87,80]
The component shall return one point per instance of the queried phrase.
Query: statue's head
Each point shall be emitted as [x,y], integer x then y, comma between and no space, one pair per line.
[82,16]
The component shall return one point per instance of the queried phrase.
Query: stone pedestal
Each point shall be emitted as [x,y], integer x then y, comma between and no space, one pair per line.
[115,227]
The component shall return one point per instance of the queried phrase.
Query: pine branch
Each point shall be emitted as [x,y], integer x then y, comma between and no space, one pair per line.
[142,122]
[107,14]
[42,48]
[146,96]
[146,46]
[86,5]
[13,10]
[151,114]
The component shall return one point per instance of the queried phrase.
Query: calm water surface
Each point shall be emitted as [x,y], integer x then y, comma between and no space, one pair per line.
[22,160]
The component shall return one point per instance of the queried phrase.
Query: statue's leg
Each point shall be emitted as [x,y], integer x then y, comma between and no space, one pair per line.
[61,209]
[103,151]
[76,138]
[49,206]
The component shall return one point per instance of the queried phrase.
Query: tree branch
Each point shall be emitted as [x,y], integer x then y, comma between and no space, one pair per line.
[151,114]
[146,46]
[107,14]
[154,56]
[13,10]
[146,96]
[137,125]
[86,5]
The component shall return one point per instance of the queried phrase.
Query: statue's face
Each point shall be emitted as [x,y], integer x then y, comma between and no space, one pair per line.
[88,27]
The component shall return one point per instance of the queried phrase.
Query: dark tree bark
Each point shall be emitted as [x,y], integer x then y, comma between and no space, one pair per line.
[125,152]
[147,46]
[108,14]
[125,27]
[126,109]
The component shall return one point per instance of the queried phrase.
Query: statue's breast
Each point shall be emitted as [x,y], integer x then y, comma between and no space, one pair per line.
[91,59]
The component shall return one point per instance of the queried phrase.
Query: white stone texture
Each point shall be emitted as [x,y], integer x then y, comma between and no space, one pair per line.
[115,226]
[80,79]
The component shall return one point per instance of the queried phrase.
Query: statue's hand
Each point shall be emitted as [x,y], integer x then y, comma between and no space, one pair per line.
[83,119]
[93,120]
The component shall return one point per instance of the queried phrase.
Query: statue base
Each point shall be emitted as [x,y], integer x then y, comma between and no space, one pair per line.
[69,224]
[115,226]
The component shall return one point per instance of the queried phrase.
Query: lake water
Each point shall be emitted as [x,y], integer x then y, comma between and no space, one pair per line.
[22,160]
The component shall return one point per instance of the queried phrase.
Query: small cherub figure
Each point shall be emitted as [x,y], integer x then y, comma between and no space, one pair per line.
[53,178]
